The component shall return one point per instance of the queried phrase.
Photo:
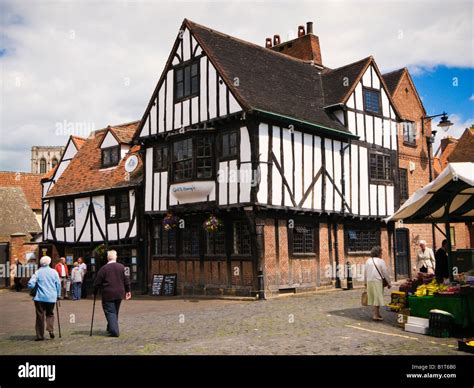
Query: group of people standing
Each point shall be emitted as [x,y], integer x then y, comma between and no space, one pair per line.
[48,286]
[76,279]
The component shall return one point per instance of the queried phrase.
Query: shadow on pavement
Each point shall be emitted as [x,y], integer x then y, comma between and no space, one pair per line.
[364,314]
[22,338]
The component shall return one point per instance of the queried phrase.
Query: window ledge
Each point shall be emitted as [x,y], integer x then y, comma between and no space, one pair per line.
[304,255]
[410,144]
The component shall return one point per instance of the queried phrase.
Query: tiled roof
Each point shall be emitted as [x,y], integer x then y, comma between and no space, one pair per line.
[392,79]
[30,184]
[336,87]
[78,141]
[17,216]
[464,150]
[124,132]
[269,81]
[84,173]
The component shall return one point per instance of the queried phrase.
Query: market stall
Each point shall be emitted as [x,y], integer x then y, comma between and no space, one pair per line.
[430,303]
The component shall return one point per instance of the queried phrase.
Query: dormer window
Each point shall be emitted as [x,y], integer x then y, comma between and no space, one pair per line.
[372,101]
[186,81]
[110,156]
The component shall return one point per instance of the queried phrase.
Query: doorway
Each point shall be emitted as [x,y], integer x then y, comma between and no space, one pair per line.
[3,262]
[402,261]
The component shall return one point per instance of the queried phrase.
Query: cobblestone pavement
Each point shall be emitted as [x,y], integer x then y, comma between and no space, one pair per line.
[320,323]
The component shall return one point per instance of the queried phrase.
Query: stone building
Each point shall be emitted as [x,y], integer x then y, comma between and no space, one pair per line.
[45,158]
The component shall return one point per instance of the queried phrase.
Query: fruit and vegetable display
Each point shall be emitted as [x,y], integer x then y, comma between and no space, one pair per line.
[431,288]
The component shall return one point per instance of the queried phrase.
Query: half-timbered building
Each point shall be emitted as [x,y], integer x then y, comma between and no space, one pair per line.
[298,161]
[91,201]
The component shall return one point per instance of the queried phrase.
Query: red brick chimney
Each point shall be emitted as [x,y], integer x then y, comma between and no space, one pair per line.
[305,46]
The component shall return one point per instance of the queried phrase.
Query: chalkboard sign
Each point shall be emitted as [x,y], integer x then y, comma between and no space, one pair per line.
[164,285]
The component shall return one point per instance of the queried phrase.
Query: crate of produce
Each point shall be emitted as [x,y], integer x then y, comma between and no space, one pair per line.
[466,346]
[441,324]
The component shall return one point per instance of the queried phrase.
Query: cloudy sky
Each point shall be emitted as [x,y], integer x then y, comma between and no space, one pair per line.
[82,65]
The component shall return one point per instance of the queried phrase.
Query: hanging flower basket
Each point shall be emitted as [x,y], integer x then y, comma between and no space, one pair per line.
[99,251]
[212,224]
[170,222]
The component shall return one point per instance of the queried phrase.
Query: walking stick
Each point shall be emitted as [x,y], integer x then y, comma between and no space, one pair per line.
[93,311]
[59,322]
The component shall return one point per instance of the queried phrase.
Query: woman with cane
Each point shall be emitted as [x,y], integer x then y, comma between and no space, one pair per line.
[45,288]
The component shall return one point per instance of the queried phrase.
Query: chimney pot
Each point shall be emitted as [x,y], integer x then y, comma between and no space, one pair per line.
[276,40]
[309,27]
[268,42]
[301,31]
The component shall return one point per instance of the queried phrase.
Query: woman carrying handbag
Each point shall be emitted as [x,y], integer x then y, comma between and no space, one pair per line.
[376,278]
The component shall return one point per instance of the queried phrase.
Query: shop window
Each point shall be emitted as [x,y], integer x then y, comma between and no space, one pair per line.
[164,241]
[302,239]
[380,167]
[118,207]
[215,242]
[186,81]
[361,240]
[64,212]
[241,238]
[110,156]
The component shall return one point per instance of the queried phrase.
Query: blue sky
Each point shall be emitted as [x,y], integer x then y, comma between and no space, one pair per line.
[92,63]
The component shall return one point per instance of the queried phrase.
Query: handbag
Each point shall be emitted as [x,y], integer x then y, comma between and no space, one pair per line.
[384,281]
[364,299]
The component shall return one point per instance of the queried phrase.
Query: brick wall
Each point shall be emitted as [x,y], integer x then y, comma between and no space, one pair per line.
[20,247]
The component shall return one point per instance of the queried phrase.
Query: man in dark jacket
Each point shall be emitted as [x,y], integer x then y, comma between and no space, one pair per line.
[114,284]
[441,257]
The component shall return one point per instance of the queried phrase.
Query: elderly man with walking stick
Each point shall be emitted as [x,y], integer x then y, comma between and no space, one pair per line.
[114,285]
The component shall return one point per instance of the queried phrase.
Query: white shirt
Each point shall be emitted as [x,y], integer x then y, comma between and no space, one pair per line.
[425,258]
[76,275]
[371,273]
[83,267]
[63,271]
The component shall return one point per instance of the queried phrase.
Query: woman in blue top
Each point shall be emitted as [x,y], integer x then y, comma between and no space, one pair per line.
[48,292]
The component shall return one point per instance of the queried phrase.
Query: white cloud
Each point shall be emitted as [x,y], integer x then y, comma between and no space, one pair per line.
[69,61]
[471,98]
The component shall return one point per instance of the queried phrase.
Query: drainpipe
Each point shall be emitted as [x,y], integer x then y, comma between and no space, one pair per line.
[336,255]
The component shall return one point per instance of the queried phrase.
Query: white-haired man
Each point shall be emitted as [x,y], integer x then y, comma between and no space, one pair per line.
[114,285]
[425,259]
[48,291]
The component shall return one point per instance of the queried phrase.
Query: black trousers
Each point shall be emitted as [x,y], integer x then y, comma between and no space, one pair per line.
[111,310]
[42,309]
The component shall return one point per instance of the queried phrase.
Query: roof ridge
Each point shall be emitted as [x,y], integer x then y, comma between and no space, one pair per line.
[249,43]
[351,64]
[394,71]
[122,125]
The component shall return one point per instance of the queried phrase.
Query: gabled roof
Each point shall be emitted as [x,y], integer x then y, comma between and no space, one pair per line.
[335,88]
[84,173]
[392,79]
[17,216]
[28,182]
[464,149]
[123,133]
[78,141]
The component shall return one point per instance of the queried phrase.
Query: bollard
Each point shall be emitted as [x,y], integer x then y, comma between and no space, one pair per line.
[261,290]
[350,286]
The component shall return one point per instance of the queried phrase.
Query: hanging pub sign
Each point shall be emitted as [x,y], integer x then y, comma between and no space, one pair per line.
[164,285]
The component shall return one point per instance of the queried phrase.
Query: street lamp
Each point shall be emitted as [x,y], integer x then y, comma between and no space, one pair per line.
[444,124]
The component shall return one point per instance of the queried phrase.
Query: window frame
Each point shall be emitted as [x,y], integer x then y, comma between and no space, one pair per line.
[65,220]
[109,149]
[377,179]
[118,207]
[229,156]
[194,159]
[160,148]
[43,163]
[376,91]
[407,139]
[213,254]
[182,67]
[167,254]
[404,188]
[315,240]
[358,228]
[240,253]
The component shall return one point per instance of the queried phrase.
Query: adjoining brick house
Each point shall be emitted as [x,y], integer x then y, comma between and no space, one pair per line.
[451,151]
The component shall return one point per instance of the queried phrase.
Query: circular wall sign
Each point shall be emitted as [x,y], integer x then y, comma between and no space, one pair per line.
[131,163]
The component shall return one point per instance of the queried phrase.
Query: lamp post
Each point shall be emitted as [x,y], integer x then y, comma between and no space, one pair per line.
[444,124]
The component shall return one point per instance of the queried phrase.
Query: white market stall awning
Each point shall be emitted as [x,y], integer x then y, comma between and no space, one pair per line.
[449,198]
